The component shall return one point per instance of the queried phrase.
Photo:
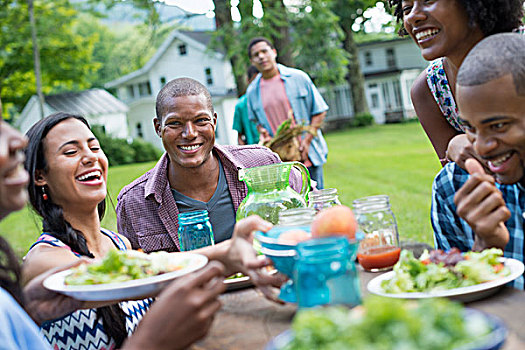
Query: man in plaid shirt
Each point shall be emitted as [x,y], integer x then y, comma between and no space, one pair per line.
[193,174]
[471,209]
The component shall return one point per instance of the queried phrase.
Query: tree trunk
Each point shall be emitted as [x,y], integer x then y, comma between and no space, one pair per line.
[223,21]
[1,108]
[280,30]
[355,78]
[36,58]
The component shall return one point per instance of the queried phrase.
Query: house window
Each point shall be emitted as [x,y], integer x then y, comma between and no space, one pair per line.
[390,58]
[392,95]
[182,50]
[162,81]
[145,89]
[131,91]
[209,79]
[368,58]
[375,100]
[397,93]
[386,96]
[139,130]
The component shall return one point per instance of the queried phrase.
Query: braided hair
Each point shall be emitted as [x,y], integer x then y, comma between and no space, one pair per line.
[53,221]
[489,15]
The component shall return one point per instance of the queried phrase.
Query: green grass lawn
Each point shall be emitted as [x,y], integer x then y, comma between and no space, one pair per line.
[395,159]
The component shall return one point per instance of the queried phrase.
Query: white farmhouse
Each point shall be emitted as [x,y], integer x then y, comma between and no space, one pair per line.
[389,68]
[98,106]
[183,54]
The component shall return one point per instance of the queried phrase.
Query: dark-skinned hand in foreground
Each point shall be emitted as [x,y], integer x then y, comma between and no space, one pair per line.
[481,205]
[243,257]
[182,313]
[43,304]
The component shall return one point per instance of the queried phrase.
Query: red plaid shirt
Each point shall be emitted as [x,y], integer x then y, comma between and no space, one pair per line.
[146,210]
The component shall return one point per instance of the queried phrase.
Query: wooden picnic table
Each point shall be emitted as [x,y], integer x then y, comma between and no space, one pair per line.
[247,321]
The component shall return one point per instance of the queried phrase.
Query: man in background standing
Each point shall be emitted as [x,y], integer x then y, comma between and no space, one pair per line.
[246,129]
[280,92]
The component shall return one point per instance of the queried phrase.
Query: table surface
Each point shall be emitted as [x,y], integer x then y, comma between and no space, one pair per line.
[247,321]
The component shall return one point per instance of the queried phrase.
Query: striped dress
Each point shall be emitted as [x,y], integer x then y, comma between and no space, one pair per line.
[81,329]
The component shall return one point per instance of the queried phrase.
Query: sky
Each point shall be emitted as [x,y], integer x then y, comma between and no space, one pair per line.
[378,16]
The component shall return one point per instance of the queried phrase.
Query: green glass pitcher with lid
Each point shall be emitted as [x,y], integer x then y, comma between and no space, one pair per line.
[269,190]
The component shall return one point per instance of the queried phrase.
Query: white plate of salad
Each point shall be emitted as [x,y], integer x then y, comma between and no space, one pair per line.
[124,275]
[461,276]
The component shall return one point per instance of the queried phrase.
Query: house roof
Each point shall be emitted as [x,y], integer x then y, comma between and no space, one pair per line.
[202,37]
[199,39]
[87,102]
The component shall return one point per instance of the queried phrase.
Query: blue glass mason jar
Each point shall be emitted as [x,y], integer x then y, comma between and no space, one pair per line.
[325,272]
[195,230]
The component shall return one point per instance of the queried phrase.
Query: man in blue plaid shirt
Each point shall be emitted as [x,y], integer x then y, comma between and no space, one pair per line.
[472,210]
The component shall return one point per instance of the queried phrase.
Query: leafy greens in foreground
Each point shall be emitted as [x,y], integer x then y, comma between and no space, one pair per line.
[385,324]
[432,273]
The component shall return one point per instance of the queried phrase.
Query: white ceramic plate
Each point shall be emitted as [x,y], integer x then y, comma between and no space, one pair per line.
[464,294]
[237,283]
[126,290]
[242,281]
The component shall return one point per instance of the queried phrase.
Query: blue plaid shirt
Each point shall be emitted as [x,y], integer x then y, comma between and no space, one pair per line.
[452,231]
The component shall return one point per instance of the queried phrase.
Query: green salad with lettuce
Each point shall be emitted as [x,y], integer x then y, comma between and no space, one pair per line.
[438,270]
[385,324]
[120,266]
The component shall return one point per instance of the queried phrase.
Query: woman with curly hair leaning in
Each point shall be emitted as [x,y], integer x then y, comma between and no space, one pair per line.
[445,31]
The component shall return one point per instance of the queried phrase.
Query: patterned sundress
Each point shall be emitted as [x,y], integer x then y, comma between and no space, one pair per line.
[81,330]
[439,86]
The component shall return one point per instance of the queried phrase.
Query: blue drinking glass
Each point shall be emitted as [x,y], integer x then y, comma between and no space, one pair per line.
[325,272]
[195,230]
[282,255]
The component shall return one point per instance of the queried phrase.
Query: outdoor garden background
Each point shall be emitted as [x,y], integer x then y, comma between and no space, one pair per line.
[83,44]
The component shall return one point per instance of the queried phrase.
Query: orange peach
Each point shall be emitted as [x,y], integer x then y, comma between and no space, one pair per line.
[293,237]
[335,221]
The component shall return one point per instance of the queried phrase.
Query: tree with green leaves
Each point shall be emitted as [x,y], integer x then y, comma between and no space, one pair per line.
[121,50]
[305,35]
[317,40]
[65,56]
[348,11]
[227,37]
[277,22]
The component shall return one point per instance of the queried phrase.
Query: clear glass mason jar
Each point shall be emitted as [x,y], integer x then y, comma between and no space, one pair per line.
[379,250]
[325,273]
[321,199]
[297,217]
[195,230]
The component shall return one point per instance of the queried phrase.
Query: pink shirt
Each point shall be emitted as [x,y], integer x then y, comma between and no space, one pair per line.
[275,102]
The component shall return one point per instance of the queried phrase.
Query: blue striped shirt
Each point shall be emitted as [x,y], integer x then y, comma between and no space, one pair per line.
[452,231]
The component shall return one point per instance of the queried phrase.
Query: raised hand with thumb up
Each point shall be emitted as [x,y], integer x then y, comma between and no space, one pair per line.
[480,203]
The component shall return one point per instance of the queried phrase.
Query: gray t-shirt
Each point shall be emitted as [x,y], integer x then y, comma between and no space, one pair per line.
[220,208]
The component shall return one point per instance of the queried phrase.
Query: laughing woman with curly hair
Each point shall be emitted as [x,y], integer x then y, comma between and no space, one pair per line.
[445,31]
